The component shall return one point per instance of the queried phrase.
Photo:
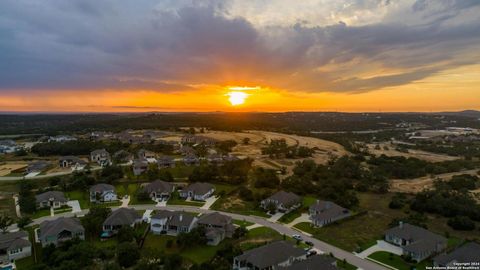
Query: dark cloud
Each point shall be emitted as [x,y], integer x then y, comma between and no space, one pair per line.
[93,44]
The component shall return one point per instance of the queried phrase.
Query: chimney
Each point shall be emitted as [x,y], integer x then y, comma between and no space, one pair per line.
[181,217]
[400,224]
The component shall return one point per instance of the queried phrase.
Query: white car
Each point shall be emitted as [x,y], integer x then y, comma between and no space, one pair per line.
[297,236]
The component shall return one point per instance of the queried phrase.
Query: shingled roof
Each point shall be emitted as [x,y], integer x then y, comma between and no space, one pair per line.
[286,198]
[46,196]
[54,227]
[158,186]
[421,239]
[122,216]
[317,262]
[325,210]
[468,253]
[199,188]
[101,188]
[271,254]
[14,240]
[215,219]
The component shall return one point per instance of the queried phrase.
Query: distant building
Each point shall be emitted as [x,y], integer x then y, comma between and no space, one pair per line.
[14,246]
[191,159]
[37,166]
[165,162]
[197,191]
[101,157]
[8,146]
[123,156]
[467,253]
[416,242]
[147,155]
[72,162]
[139,166]
[325,212]
[271,256]
[62,138]
[103,193]
[60,230]
[54,199]
[282,201]
[172,222]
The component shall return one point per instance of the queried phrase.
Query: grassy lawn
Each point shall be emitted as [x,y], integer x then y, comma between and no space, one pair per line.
[180,171]
[232,205]
[176,200]
[63,209]
[7,206]
[29,262]
[397,261]
[289,217]
[196,254]
[41,213]
[242,223]
[81,196]
[259,236]
[345,265]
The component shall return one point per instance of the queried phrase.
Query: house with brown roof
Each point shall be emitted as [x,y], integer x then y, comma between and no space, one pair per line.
[60,230]
[14,246]
[282,201]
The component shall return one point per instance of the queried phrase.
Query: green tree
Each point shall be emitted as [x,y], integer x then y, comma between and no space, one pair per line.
[127,254]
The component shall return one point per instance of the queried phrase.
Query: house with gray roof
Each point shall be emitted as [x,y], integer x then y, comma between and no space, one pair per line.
[159,190]
[101,156]
[60,230]
[120,218]
[325,212]
[270,256]
[14,246]
[172,222]
[467,253]
[416,242]
[122,156]
[139,166]
[37,166]
[191,159]
[282,201]
[72,162]
[217,227]
[103,193]
[148,155]
[165,162]
[197,191]
[55,199]
[316,262]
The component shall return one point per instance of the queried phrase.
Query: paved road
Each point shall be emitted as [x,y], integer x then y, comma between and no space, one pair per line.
[281,228]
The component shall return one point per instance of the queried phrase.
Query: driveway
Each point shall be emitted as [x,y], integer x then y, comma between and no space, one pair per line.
[281,228]
[209,202]
[303,218]
[276,217]
[147,215]
[125,201]
[75,206]
[380,246]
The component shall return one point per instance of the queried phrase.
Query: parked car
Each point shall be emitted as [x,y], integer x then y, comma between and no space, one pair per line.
[309,243]
[297,237]
[311,253]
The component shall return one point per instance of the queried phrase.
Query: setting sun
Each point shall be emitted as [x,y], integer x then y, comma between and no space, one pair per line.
[237,97]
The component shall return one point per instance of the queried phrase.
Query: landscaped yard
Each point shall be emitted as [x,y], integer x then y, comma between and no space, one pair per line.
[41,213]
[233,204]
[81,196]
[397,261]
[242,223]
[176,200]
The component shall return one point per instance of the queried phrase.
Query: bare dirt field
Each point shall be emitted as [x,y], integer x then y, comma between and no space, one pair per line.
[7,168]
[418,184]
[388,149]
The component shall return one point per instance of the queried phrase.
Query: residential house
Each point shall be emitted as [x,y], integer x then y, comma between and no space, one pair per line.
[147,155]
[54,199]
[269,257]
[191,159]
[61,138]
[60,230]
[101,156]
[139,166]
[217,227]
[103,193]
[197,191]
[172,222]
[159,190]
[165,162]
[14,246]
[467,253]
[316,262]
[215,158]
[72,162]
[325,212]
[122,156]
[416,242]
[8,146]
[37,166]
[194,139]
[282,202]
[187,150]
[120,218]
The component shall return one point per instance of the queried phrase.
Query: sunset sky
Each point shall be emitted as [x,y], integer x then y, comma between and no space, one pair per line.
[239,55]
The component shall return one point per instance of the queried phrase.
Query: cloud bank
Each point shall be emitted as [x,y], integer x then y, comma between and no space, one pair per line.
[169,46]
